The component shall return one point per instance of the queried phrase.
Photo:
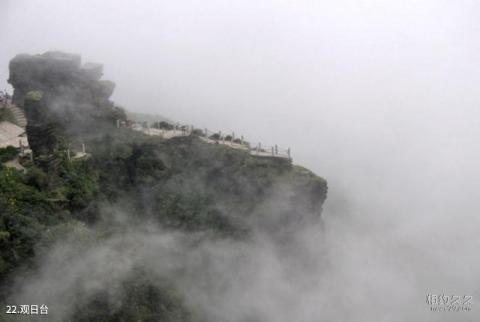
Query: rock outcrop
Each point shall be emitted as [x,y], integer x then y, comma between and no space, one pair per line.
[58,74]
[63,100]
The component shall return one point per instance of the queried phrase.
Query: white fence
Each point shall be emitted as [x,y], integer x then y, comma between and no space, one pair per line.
[239,142]
[230,139]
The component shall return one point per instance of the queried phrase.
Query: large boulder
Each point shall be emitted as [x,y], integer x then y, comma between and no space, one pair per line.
[40,72]
[59,74]
[64,101]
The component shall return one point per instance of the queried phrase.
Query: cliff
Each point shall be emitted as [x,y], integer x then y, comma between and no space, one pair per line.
[182,184]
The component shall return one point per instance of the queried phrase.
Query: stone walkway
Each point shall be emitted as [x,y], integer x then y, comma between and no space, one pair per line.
[11,134]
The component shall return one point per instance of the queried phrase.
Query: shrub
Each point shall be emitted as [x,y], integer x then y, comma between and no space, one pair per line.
[37,178]
[198,132]
[165,126]
[34,95]
[8,153]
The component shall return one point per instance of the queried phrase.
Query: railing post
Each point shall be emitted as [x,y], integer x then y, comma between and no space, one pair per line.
[241,140]
[273,150]
[288,152]
[83,148]
[68,154]
[21,147]
[276,149]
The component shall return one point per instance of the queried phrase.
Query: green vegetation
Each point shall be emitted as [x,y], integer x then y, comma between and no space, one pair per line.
[214,136]
[181,183]
[197,132]
[33,200]
[34,95]
[8,153]
[142,301]
[163,125]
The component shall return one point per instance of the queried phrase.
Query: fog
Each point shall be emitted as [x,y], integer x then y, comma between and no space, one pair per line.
[378,97]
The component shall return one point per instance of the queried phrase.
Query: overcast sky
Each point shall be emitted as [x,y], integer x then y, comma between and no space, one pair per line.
[380,97]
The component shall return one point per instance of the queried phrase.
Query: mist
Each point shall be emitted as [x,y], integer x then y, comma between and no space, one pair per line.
[378,97]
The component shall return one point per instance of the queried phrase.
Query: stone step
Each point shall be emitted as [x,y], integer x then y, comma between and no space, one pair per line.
[18,114]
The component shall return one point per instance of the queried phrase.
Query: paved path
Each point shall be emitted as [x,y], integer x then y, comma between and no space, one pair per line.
[12,134]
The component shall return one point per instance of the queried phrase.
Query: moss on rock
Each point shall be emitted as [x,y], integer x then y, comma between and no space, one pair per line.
[34,95]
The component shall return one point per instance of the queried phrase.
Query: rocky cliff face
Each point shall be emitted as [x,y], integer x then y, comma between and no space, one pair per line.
[63,100]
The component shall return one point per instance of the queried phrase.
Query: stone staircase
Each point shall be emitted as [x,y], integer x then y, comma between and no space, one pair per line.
[19,115]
